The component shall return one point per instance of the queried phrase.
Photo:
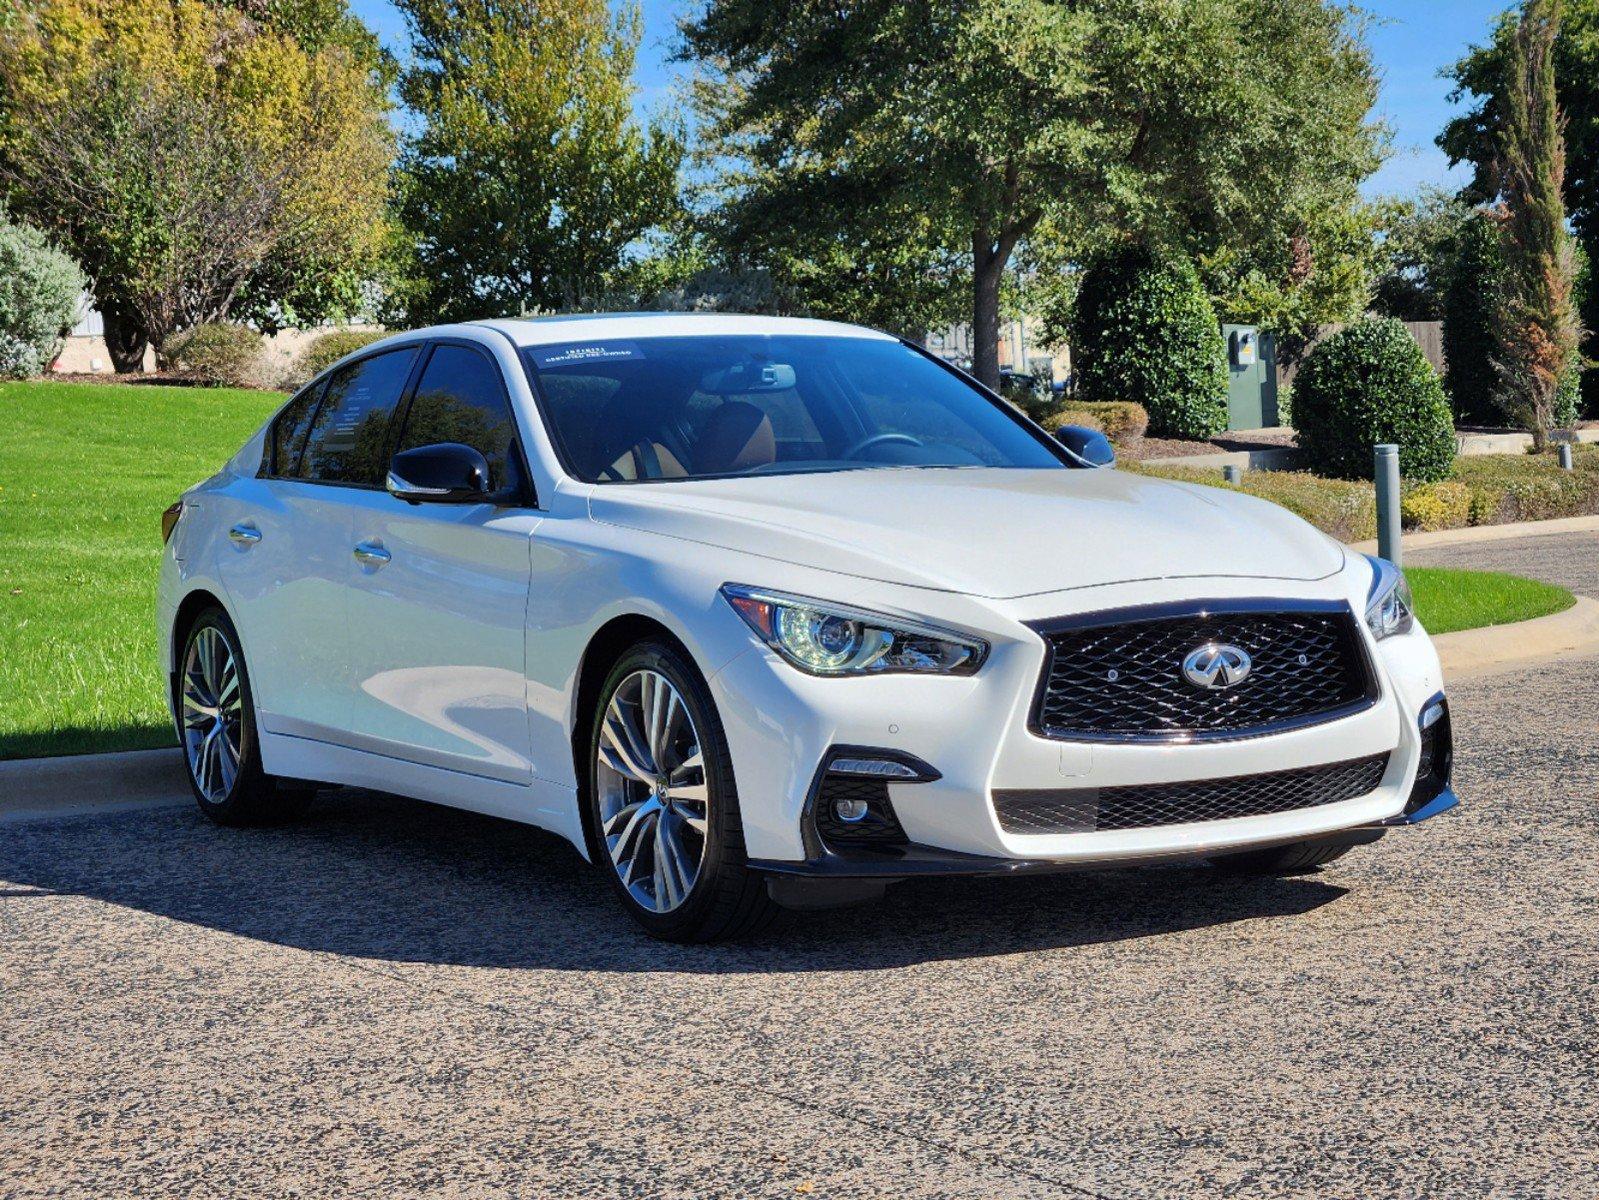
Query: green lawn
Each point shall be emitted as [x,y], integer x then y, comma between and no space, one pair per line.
[1448,600]
[85,470]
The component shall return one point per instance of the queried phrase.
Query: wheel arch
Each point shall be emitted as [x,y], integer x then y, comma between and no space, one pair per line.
[189,608]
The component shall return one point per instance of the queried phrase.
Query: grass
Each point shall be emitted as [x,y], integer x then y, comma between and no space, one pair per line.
[1448,600]
[85,470]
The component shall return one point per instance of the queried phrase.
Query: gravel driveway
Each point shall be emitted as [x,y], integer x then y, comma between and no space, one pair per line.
[396,1000]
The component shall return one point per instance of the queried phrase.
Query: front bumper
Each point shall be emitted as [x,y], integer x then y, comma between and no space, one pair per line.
[975,732]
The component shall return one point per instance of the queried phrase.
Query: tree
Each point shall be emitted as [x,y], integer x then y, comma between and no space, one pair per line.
[1419,240]
[1470,307]
[1537,330]
[528,178]
[196,163]
[1474,136]
[1174,120]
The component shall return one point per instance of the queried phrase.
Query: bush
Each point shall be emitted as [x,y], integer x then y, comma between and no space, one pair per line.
[39,292]
[1428,506]
[1469,304]
[1119,420]
[323,351]
[217,354]
[1144,331]
[1347,511]
[1369,384]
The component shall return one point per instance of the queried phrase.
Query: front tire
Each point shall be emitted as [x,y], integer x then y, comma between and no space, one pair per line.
[217,731]
[663,806]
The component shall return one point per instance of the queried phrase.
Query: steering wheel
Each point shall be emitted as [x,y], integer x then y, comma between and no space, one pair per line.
[878,439]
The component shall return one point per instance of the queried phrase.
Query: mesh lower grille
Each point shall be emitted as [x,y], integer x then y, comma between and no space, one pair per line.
[1081,810]
[1125,679]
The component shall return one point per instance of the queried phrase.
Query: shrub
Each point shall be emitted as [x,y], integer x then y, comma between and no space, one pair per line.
[323,351]
[1443,505]
[39,292]
[217,354]
[1122,422]
[1469,303]
[1145,331]
[1368,384]
[1347,511]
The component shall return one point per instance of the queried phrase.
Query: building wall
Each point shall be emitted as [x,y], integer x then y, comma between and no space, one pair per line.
[85,353]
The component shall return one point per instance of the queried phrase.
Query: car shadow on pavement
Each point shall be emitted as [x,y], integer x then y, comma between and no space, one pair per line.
[383,878]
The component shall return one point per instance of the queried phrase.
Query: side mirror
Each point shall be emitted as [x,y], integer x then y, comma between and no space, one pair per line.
[1086,447]
[444,473]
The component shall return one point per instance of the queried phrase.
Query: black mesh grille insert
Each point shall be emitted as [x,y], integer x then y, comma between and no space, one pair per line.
[880,826]
[1081,810]
[1125,680]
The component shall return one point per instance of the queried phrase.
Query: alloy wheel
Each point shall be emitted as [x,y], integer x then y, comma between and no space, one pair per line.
[213,714]
[653,796]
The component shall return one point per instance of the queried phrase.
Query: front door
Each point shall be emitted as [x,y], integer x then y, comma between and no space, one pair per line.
[438,599]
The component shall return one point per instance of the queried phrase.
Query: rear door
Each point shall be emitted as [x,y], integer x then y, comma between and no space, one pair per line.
[287,564]
[438,600]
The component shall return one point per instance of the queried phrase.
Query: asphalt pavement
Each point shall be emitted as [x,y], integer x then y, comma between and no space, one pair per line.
[391,999]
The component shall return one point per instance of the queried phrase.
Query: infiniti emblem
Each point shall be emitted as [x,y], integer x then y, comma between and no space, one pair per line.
[1216,665]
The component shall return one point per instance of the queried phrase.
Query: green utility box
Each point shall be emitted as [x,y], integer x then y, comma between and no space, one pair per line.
[1251,377]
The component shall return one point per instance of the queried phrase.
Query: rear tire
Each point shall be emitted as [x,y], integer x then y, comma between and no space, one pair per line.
[1298,858]
[217,732]
[663,806]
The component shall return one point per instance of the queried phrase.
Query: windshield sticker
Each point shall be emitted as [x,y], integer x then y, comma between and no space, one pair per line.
[585,352]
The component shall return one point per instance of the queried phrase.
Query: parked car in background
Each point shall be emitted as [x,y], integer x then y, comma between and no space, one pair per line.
[760,612]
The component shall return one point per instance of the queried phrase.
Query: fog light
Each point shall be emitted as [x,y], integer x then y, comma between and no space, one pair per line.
[850,811]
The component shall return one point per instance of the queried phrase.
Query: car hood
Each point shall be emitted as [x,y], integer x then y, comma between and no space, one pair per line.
[990,532]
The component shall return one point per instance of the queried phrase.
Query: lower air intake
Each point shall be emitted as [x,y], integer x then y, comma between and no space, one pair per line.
[1145,806]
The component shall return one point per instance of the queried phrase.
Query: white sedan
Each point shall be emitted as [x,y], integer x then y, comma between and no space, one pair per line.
[760,612]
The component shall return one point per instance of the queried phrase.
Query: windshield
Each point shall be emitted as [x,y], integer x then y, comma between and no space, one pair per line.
[701,407]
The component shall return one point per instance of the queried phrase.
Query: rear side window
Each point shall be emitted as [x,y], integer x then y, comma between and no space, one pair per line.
[349,438]
[289,430]
[460,398]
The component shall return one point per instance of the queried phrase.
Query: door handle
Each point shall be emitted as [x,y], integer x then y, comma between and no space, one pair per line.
[371,554]
[244,535]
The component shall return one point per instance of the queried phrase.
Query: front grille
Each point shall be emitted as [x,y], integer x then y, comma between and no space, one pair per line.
[1121,678]
[1143,806]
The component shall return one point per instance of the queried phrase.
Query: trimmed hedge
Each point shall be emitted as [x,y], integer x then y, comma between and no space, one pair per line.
[1487,489]
[1144,331]
[218,354]
[1119,420]
[39,291]
[1369,384]
[323,351]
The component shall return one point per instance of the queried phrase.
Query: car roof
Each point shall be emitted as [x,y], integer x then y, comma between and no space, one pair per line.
[576,327]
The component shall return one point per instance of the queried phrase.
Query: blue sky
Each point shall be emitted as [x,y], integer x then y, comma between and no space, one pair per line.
[1411,40]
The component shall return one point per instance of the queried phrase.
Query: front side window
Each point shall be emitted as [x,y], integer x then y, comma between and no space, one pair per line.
[460,398]
[700,407]
[349,437]
[289,431]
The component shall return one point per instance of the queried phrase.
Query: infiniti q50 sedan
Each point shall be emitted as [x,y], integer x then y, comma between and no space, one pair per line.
[762,612]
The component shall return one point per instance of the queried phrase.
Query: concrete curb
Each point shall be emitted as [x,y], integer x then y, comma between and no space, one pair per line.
[1268,458]
[38,789]
[1495,648]
[1491,533]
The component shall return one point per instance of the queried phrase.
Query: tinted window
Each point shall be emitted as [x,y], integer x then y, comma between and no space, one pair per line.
[688,407]
[349,438]
[460,399]
[289,430]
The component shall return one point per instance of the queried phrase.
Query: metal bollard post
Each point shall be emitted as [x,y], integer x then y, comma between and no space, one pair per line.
[1232,474]
[1565,456]
[1387,476]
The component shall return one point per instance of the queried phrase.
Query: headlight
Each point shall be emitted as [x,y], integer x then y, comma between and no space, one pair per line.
[1389,608]
[830,639]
